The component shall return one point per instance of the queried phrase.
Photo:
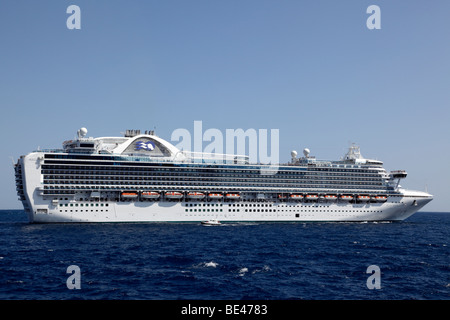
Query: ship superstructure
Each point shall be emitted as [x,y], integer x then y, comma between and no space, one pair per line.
[144,178]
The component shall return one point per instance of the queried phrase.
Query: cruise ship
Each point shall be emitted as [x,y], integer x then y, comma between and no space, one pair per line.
[144,178]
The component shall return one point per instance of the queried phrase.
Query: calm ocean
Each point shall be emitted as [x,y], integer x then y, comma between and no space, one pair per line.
[228,262]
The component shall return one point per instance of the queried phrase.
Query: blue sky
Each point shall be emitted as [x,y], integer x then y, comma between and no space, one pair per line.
[311,69]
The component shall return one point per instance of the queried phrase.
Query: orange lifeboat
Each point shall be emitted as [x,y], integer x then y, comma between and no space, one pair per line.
[380,198]
[363,198]
[233,196]
[296,196]
[150,195]
[330,197]
[215,195]
[174,195]
[196,195]
[312,197]
[129,195]
[346,197]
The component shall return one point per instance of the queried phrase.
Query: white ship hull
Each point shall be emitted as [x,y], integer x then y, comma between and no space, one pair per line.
[156,211]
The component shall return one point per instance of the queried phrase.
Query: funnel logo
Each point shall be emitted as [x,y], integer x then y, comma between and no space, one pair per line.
[145,145]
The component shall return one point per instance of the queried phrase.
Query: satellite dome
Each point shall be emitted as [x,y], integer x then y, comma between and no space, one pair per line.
[82,132]
[293,154]
[306,152]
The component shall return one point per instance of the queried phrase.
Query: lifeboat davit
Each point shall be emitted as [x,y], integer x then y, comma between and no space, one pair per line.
[196,195]
[346,197]
[215,195]
[150,195]
[129,195]
[233,196]
[174,195]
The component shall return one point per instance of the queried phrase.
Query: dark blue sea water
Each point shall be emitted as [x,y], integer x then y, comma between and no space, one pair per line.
[235,261]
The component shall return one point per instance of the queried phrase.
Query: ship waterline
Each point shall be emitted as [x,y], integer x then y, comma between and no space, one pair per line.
[143,178]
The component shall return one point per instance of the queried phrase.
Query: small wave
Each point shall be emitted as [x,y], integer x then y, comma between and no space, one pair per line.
[243,271]
[210,264]
[14,281]
[239,224]
[263,269]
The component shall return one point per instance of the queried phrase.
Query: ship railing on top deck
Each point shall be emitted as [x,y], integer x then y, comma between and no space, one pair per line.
[202,157]
[181,156]
[50,150]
